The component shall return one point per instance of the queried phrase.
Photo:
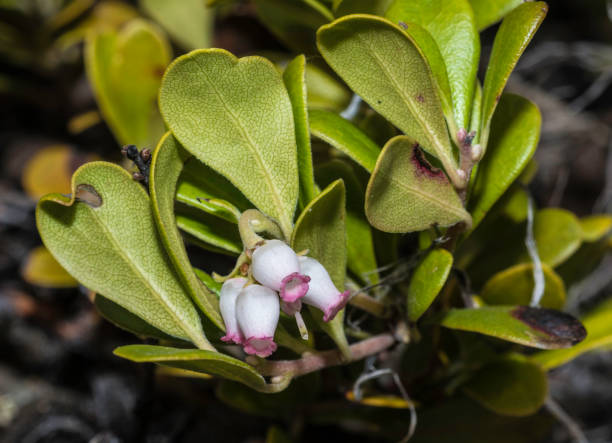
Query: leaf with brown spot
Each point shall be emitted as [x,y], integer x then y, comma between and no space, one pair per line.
[535,327]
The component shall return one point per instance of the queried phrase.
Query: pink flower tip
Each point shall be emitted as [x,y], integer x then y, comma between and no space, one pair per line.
[236,338]
[334,308]
[260,346]
[294,286]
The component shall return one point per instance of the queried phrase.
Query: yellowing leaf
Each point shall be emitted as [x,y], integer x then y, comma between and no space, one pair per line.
[41,269]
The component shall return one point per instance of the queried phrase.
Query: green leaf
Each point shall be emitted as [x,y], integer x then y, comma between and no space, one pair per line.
[427,281]
[201,187]
[476,111]
[509,386]
[166,166]
[584,261]
[105,237]
[125,320]
[344,136]
[208,281]
[406,194]
[392,76]
[598,324]
[232,113]
[346,7]
[294,77]
[321,229]
[277,435]
[125,69]
[215,234]
[512,38]
[487,12]
[190,24]
[535,327]
[515,135]
[514,286]
[294,22]
[594,227]
[451,24]
[558,235]
[361,257]
[199,360]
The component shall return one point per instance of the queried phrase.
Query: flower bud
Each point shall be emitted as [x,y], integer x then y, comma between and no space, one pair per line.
[276,266]
[227,303]
[322,293]
[257,311]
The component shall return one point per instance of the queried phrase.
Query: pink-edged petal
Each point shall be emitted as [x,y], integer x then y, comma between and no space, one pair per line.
[294,286]
[236,338]
[334,308]
[260,346]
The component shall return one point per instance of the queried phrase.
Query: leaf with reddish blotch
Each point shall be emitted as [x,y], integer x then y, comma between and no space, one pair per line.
[407,194]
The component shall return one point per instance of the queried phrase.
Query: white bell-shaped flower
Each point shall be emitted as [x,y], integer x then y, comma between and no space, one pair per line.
[227,304]
[276,266]
[257,311]
[322,294]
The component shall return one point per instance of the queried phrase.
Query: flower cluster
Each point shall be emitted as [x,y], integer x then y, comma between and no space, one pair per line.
[251,311]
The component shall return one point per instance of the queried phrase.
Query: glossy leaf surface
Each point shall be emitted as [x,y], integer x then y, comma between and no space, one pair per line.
[487,12]
[515,132]
[514,286]
[199,361]
[105,236]
[294,77]
[344,136]
[558,235]
[406,194]
[244,117]
[427,281]
[392,76]
[513,36]
[594,227]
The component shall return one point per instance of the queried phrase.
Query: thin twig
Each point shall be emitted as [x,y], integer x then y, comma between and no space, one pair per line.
[570,424]
[532,249]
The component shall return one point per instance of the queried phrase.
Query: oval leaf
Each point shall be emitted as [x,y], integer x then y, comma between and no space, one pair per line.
[166,165]
[515,135]
[392,76]
[598,324]
[321,229]
[198,360]
[214,234]
[294,77]
[558,235]
[344,136]
[125,70]
[230,113]
[451,24]
[594,227]
[427,281]
[535,327]
[514,286]
[509,386]
[406,194]
[106,237]
[511,39]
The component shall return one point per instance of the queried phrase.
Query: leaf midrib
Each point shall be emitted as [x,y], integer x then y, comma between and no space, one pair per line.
[253,147]
[452,209]
[428,132]
[186,328]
